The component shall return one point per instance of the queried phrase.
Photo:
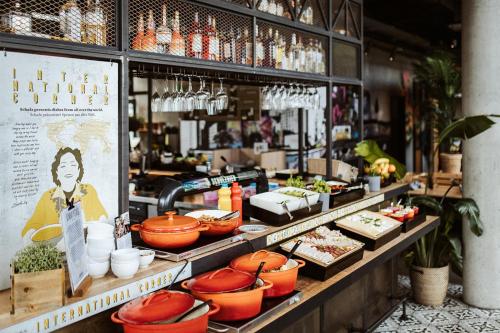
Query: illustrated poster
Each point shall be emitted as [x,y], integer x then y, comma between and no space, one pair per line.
[58,141]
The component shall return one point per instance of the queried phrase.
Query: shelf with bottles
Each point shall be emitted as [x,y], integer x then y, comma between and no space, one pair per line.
[310,12]
[79,21]
[183,29]
[285,49]
[347,18]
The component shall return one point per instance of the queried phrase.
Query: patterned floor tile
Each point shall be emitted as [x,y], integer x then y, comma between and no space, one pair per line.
[453,328]
[480,326]
[464,313]
[435,317]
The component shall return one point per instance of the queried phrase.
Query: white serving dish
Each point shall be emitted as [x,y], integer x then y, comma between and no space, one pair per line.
[98,259]
[217,213]
[125,270]
[356,223]
[312,197]
[125,255]
[146,258]
[98,269]
[253,228]
[100,230]
[272,201]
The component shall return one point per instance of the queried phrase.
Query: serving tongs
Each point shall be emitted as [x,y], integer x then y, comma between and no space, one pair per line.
[257,273]
[292,251]
[304,195]
[285,207]
[229,216]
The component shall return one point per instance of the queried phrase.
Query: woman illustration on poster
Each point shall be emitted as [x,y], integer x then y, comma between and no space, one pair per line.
[67,172]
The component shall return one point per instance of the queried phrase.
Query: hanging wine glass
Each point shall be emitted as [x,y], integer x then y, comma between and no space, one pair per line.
[266,98]
[222,100]
[189,97]
[155,99]
[177,104]
[212,102]
[201,96]
[166,98]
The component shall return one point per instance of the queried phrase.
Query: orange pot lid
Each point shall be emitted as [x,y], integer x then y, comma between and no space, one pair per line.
[158,306]
[222,280]
[250,262]
[170,223]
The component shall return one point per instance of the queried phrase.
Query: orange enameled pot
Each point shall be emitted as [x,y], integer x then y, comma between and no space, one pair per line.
[283,281]
[238,305]
[196,325]
[169,232]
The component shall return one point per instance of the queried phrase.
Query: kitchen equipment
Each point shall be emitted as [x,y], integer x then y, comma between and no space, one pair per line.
[220,225]
[193,310]
[146,258]
[259,269]
[278,270]
[169,231]
[222,280]
[237,305]
[164,310]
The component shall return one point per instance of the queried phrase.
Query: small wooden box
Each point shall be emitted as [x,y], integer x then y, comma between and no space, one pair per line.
[38,291]
[342,170]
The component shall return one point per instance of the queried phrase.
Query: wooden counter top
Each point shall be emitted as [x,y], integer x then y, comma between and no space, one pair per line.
[109,292]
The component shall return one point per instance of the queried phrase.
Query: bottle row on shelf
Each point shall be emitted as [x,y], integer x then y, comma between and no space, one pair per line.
[230,44]
[72,24]
[278,8]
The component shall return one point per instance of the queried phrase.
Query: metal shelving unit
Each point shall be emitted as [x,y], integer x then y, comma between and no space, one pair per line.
[116,46]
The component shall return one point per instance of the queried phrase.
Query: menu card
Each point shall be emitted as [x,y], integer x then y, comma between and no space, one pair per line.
[71,220]
[122,231]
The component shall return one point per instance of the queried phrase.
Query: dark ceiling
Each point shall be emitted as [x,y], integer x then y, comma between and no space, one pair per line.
[395,21]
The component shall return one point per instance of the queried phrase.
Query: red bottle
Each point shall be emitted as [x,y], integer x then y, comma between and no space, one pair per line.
[236,201]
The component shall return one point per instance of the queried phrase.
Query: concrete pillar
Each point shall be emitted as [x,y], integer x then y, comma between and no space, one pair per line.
[481,163]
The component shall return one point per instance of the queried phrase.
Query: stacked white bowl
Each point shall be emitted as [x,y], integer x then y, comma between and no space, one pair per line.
[125,262]
[100,244]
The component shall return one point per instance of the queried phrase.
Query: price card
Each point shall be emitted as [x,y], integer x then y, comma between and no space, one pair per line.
[71,220]
[122,231]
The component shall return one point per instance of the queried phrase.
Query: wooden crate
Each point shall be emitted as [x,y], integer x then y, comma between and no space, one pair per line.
[342,170]
[443,178]
[38,291]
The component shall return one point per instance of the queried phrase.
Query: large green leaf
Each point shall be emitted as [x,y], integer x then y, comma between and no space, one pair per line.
[467,127]
[456,253]
[426,201]
[469,209]
[370,151]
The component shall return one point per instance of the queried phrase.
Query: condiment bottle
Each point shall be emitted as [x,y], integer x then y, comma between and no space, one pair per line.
[236,201]
[224,198]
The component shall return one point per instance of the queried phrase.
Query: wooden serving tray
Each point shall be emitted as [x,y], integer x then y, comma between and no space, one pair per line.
[283,219]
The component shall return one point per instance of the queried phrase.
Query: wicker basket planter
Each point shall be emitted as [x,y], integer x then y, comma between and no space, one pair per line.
[450,163]
[429,284]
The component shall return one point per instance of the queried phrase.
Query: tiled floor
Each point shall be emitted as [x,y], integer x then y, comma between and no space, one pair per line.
[452,317]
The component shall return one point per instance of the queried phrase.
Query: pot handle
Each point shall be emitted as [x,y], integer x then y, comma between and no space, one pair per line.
[203,227]
[184,285]
[136,227]
[115,319]
[214,308]
[149,299]
[218,271]
[267,285]
[302,263]
[252,257]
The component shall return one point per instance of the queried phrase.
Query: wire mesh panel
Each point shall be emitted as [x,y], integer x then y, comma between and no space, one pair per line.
[184,29]
[281,8]
[346,60]
[311,12]
[80,21]
[245,3]
[281,48]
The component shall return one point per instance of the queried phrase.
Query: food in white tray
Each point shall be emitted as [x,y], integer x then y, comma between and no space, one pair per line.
[286,198]
[323,245]
[368,223]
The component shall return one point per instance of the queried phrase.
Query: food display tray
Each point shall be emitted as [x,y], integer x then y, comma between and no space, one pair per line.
[283,219]
[342,198]
[202,245]
[322,272]
[270,306]
[414,222]
[371,244]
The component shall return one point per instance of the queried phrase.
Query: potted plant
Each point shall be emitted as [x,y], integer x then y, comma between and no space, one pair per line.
[37,278]
[440,76]
[324,191]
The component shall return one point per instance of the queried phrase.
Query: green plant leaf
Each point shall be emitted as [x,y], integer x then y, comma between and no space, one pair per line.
[467,127]
[456,253]
[370,152]
[426,201]
[468,208]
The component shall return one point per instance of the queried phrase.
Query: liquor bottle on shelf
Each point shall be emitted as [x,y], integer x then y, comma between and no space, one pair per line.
[195,39]
[297,53]
[149,40]
[264,6]
[272,7]
[270,50]
[279,50]
[279,9]
[139,36]
[302,56]
[70,20]
[321,59]
[94,24]
[284,58]
[178,45]
[290,61]
[163,33]
[214,42]
[16,21]
[310,57]
[244,48]
[259,47]
[206,38]
[229,47]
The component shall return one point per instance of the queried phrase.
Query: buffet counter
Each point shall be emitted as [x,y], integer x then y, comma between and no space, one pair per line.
[109,292]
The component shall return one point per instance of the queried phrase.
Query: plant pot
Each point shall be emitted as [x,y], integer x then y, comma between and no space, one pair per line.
[450,163]
[429,284]
[325,200]
[374,183]
[38,291]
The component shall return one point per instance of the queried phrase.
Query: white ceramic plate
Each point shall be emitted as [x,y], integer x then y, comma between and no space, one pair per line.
[210,212]
[253,228]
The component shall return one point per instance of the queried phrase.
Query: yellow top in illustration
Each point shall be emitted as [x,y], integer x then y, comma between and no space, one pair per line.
[67,173]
